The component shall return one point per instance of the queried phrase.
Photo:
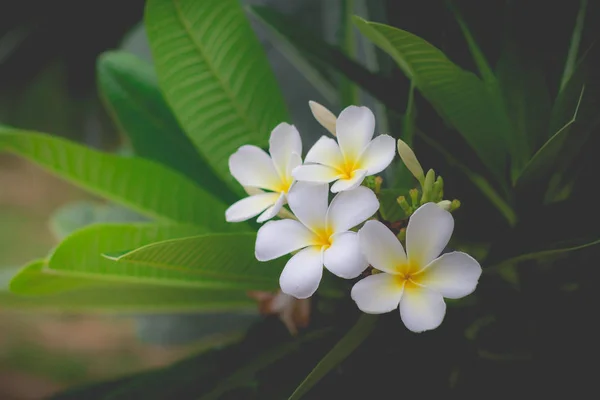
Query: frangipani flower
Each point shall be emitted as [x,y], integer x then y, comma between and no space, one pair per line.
[417,281]
[352,157]
[254,169]
[322,232]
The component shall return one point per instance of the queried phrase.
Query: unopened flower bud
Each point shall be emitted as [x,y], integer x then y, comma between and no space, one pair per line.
[428,186]
[455,205]
[414,197]
[410,160]
[404,205]
[323,116]
[445,204]
[437,192]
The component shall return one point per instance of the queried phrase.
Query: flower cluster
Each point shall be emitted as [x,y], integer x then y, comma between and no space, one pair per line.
[345,235]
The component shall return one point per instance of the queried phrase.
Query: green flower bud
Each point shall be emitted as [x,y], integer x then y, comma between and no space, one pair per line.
[410,160]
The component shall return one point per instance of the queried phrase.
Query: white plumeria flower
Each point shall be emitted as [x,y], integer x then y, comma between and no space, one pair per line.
[352,157]
[419,281]
[322,232]
[254,169]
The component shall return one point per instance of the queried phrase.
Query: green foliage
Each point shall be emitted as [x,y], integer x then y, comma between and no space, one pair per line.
[36,287]
[167,196]
[130,90]
[216,79]
[222,260]
[343,348]
[457,95]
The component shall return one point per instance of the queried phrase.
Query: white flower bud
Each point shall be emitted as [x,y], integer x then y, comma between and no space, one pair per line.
[323,116]
[410,160]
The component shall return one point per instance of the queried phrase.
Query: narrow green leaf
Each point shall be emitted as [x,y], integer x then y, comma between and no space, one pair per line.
[209,259]
[36,287]
[574,46]
[531,184]
[457,95]
[142,185]
[323,56]
[350,342]
[479,181]
[482,65]
[215,75]
[410,117]
[130,90]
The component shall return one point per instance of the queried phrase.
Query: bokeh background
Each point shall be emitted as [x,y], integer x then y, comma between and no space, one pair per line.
[48,52]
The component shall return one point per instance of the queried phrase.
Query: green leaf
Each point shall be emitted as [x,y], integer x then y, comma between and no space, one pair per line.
[457,95]
[80,254]
[79,214]
[547,231]
[142,185]
[130,90]
[321,55]
[37,287]
[482,65]
[347,41]
[532,182]
[571,60]
[215,75]
[526,99]
[350,342]
[221,259]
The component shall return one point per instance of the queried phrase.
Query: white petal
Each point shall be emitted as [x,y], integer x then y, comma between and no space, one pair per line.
[294,162]
[381,247]
[378,155]
[421,309]
[348,184]
[325,117]
[273,210]
[354,127]
[454,275]
[351,208]
[277,238]
[250,207]
[252,166]
[325,151]
[344,257]
[302,273]
[284,141]
[377,294]
[308,201]
[428,232]
[315,173]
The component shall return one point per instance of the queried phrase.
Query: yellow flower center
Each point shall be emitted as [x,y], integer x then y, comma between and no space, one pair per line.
[323,238]
[408,274]
[347,169]
[284,185]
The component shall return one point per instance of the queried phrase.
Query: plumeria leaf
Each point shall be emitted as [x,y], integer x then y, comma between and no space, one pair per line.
[547,231]
[36,287]
[390,209]
[142,185]
[216,79]
[320,55]
[457,95]
[350,342]
[130,90]
[571,61]
[221,259]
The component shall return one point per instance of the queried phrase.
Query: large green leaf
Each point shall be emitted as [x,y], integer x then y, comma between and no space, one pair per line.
[130,90]
[215,75]
[142,185]
[355,336]
[319,55]
[39,288]
[209,260]
[457,95]
[571,60]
